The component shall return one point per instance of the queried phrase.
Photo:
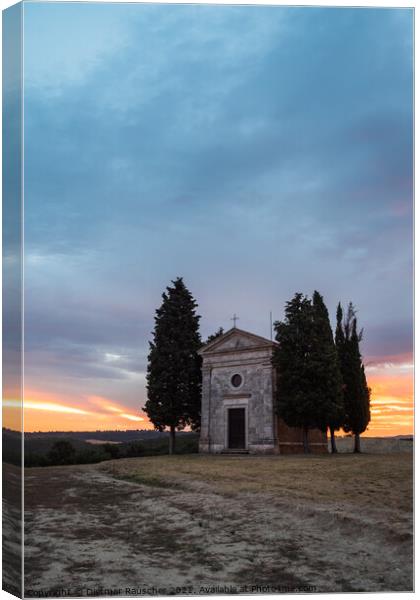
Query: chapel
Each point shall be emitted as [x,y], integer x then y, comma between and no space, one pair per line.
[238,400]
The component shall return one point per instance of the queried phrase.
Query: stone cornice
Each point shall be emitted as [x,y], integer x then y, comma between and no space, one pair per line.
[238,363]
[241,350]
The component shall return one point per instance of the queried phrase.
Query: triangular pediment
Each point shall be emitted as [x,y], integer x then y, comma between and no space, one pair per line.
[235,339]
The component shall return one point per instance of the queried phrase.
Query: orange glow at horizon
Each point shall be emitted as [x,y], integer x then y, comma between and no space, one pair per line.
[391,407]
[53,412]
[49,406]
[392,398]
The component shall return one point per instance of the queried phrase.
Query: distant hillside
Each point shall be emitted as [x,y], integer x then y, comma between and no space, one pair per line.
[128,435]
[104,445]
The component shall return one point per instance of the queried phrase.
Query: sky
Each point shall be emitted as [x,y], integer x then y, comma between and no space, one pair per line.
[254,151]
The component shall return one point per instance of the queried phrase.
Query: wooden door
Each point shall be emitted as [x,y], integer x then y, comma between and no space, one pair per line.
[236,428]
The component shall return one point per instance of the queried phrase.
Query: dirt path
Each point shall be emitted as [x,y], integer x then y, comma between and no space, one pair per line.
[12,529]
[205,524]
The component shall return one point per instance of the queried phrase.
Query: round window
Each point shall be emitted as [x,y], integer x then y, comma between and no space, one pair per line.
[236,380]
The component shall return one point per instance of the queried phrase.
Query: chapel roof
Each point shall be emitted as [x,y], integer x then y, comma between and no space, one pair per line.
[244,338]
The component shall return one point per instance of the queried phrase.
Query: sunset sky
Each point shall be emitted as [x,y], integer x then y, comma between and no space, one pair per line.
[255,151]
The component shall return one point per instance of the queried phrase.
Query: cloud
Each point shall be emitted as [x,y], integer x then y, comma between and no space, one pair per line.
[99,34]
[82,413]
[50,407]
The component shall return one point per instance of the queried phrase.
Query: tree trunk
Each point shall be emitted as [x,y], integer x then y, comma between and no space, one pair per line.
[172,440]
[357,442]
[333,444]
[306,449]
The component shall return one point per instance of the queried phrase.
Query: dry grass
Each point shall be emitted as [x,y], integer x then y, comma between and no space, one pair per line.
[337,523]
[359,479]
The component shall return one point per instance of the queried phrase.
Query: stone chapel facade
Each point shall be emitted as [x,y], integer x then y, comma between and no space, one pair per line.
[238,400]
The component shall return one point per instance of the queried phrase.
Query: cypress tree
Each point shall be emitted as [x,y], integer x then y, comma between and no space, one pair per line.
[174,366]
[364,418]
[291,359]
[356,390]
[326,371]
[309,384]
[336,420]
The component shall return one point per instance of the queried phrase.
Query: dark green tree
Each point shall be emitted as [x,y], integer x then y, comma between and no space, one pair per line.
[215,335]
[111,449]
[336,420]
[356,390]
[291,359]
[62,453]
[309,385]
[326,371]
[174,366]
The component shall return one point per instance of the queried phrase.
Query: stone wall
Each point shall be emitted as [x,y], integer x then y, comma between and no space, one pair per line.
[291,440]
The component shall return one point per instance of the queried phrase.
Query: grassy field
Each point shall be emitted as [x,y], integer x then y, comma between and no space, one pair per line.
[197,524]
